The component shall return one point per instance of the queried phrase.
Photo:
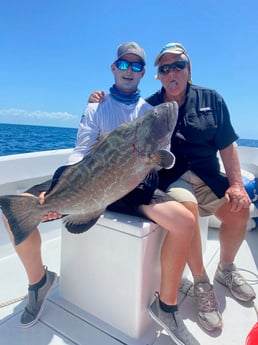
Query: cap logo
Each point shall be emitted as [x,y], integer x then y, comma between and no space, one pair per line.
[167,47]
[131,45]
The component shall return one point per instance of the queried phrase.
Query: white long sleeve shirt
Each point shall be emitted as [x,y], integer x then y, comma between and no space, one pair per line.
[100,118]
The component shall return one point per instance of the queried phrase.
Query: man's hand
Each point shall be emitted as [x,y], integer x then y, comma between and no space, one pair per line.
[96,97]
[51,215]
[237,196]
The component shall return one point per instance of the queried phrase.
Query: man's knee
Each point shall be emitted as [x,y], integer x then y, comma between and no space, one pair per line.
[181,195]
[225,214]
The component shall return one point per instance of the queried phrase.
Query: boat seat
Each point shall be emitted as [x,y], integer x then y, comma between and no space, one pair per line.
[113,270]
[33,168]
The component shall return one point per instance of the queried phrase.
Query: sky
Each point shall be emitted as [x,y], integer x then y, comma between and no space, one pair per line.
[55,53]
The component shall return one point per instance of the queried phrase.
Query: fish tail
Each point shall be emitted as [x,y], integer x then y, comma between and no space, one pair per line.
[21,213]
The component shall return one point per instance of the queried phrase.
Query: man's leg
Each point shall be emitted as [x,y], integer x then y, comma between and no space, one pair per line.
[207,306]
[179,223]
[29,252]
[232,233]
[41,281]
[195,257]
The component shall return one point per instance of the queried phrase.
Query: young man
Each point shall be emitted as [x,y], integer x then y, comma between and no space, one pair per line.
[124,103]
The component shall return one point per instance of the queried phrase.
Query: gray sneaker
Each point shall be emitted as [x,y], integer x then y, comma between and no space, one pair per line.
[207,305]
[236,283]
[172,324]
[36,301]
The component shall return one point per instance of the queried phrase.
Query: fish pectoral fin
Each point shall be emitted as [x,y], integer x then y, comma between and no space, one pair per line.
[80,223]
[163,158]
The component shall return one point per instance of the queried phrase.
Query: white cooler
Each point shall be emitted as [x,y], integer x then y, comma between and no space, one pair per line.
[113,270]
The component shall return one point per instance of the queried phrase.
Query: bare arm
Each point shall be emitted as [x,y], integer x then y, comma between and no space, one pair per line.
[236,193]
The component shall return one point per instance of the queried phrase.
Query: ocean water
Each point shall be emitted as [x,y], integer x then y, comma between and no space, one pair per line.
[24,138]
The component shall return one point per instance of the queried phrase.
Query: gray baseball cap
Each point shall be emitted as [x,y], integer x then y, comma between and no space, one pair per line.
[171,48]
[131,48]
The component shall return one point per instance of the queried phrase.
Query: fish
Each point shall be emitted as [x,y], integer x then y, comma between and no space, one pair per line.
[117,164]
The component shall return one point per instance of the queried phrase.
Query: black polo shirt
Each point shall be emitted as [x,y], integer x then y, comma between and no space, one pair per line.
[203,128]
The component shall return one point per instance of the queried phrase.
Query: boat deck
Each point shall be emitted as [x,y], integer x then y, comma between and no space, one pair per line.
[63,323]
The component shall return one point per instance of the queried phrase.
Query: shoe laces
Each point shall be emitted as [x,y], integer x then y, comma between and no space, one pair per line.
[235,278]
[207,301]
[250,281]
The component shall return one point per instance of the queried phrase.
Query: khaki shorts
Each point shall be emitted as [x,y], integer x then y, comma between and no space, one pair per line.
[189,187]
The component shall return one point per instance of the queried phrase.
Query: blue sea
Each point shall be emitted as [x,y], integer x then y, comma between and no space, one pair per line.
[25,138]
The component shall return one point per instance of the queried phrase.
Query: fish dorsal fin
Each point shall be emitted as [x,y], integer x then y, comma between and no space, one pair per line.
[163,158]
[60,171]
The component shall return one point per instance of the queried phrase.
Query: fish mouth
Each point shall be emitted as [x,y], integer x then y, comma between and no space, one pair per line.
[166,118]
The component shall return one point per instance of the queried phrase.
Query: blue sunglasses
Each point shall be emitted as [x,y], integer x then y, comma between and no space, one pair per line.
[123,65]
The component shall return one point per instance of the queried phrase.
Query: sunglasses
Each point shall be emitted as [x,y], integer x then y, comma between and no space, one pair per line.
[123,65]
[175,66]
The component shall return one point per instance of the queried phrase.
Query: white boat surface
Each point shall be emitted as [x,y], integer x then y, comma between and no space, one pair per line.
[65,322]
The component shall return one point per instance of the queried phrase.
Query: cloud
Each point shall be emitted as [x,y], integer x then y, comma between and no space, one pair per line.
[38,117]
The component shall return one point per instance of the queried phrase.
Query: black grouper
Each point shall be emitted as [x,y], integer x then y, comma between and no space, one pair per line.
[115,166]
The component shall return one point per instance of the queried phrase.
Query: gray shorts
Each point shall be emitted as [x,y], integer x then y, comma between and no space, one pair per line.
[189,187]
